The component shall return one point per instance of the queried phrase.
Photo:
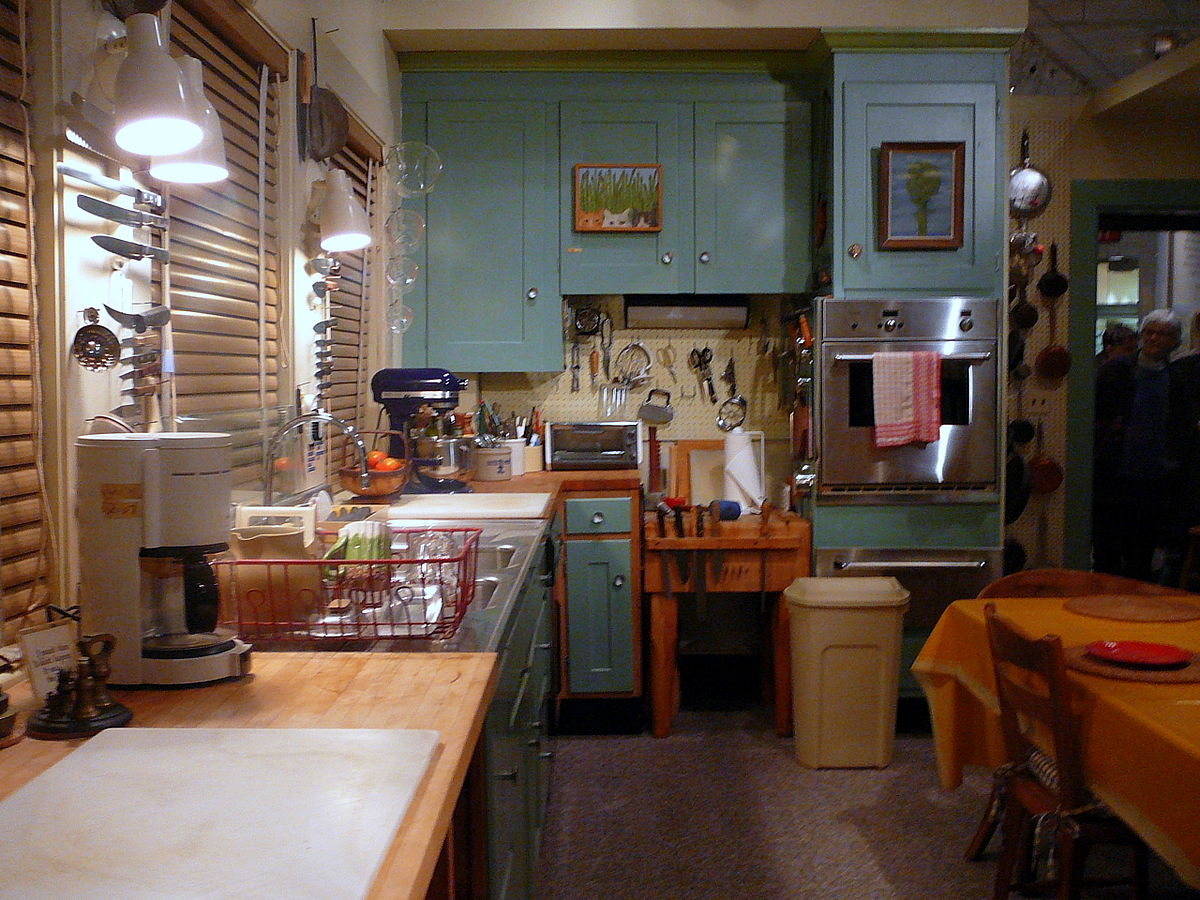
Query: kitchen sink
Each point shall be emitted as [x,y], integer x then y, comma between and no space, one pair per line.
[496,556]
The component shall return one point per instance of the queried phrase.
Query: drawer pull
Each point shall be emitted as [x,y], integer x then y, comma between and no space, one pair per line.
[510,775]
[619,581]
[546,754]
[545,646]
[597,518]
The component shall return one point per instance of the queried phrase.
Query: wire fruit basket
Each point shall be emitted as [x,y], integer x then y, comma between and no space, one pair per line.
[421,592]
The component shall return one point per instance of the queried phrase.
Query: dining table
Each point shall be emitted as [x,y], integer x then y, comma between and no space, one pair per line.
[1140,722]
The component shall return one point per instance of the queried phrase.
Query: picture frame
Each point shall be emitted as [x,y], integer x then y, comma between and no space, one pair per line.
[921,195]
[618,197]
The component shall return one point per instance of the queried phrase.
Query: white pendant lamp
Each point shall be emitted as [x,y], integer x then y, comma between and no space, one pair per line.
[344,225]
[204,163]
[151,106]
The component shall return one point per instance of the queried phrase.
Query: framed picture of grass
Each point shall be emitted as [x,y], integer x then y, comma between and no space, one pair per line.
[921,195]
[618,197]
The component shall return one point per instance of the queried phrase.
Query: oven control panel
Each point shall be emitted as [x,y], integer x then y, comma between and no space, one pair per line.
[937,318]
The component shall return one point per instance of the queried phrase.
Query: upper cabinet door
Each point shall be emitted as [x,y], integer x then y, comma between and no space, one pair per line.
[491,281]
[752,190]
[874,112]
[616,134]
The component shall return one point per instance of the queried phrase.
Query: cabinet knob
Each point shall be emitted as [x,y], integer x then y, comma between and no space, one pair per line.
[510,775]
[619,581]
[545,646]
[597,518]
[855,250]
[667,258]
[705,257]
[546,754]
[531,294]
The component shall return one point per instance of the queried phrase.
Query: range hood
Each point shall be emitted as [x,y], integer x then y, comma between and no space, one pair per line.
[687,311]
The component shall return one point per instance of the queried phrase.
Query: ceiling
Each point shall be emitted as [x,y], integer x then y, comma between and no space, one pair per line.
[1083,46]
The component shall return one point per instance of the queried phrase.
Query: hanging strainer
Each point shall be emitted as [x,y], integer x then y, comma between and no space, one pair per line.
[95,347]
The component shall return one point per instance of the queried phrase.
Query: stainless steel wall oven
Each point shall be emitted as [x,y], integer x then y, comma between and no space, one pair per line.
[963,464]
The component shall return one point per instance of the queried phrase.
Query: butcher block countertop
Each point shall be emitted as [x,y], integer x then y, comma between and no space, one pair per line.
[444,692]
[559,481]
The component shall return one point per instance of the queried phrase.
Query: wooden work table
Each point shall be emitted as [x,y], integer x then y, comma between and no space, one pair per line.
[750,554]
[446,692]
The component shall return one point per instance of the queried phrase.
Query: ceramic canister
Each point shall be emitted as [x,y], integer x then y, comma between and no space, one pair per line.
[493,464]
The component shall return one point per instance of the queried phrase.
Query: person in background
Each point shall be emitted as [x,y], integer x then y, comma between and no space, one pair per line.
[1136,480]
[1118,339]
[1185,429]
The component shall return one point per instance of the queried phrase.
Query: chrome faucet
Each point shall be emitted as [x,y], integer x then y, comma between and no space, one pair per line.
[299,421]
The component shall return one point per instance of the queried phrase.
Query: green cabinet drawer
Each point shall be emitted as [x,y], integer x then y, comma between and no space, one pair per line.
[599,515]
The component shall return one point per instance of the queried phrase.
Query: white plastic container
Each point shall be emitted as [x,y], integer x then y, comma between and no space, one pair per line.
[845,669]
[516,446]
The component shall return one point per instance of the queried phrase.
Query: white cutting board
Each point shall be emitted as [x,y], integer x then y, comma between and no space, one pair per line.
[213,813]
[469,506]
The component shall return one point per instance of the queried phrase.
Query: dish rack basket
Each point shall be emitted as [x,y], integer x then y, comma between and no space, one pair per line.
[421,592]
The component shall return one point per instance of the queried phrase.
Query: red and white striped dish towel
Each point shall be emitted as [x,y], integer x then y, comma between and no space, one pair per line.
[908,397]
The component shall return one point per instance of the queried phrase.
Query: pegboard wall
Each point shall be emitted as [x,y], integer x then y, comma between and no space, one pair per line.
[1039,529]
[752,350]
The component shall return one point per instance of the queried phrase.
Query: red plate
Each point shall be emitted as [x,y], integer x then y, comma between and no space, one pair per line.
[1139,653]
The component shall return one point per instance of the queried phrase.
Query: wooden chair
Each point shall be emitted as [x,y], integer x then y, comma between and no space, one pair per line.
[1046,583]
[1035,699]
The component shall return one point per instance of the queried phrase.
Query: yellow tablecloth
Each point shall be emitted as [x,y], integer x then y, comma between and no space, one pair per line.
[1141,741]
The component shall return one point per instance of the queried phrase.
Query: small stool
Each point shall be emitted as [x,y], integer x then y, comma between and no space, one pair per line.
[1189,575]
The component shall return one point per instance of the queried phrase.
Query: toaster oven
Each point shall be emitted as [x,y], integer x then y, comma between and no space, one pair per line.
[593,445]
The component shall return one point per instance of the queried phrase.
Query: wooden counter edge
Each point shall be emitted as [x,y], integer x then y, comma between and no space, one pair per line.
[435,800]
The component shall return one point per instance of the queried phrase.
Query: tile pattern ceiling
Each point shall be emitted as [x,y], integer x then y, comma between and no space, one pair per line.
[1081,46]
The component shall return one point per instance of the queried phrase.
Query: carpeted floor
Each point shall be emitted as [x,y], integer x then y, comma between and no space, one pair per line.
[722,810]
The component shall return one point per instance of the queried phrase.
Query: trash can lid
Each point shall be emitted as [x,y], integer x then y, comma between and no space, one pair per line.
[846,591]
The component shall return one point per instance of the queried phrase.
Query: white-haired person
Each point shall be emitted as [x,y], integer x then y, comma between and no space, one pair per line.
[1137,476]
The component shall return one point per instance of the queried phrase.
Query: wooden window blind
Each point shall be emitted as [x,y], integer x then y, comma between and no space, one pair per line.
[24,537]
[348,305]
[224,242]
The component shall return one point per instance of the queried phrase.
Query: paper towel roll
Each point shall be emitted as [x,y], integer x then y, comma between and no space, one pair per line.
[743,472]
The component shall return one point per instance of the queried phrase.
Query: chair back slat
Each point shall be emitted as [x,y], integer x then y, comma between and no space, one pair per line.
[1035,702]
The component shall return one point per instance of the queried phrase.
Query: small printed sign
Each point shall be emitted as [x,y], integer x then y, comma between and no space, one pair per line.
[45,649]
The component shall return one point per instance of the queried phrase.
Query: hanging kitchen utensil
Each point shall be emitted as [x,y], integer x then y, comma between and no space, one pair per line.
[1016,486]
[140,195]
[120,214]
[130,250]
[587,320]
[1029,189]
[606,342]
[632,364]
[327,126]
[1045,474]
[732,413]
[324,325]
[574,366]
[95,347]
[154,317]
[655,414]
[1016,349]
[1054,360]
[1020,429]
[1053,284]
[1023,313]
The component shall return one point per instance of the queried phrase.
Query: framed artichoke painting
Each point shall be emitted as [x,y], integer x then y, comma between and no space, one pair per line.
[921,195]
[618,198]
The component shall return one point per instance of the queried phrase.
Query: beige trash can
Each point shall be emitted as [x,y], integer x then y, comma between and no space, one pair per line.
[845,669]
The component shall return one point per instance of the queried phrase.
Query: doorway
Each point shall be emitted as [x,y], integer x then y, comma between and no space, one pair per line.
[1093,202]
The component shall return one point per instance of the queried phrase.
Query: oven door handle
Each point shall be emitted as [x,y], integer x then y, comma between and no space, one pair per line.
[841,564]
[955,357]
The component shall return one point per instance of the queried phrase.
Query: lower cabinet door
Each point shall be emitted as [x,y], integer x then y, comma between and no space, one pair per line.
[507,786]
[599,617]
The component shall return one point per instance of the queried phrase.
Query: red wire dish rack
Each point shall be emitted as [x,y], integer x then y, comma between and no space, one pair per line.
[422,592]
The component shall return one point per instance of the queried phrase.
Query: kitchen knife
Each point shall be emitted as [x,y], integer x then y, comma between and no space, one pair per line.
[130,250]
[155,316]
[139,194]
[115,213]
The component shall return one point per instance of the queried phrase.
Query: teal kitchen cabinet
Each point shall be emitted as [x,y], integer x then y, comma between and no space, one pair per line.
[600,630]
[735,197]
[918,97]
[488,292]
[516,730]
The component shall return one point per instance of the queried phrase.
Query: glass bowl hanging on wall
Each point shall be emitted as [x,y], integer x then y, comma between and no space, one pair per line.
[415,168]
[406,228]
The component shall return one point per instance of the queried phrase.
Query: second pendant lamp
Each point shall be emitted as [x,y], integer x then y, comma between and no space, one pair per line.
[344,224]
[204,163]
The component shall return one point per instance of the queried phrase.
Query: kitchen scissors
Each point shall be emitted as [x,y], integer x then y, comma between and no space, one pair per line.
[701,359]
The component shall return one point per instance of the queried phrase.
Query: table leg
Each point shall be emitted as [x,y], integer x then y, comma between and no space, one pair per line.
[664,672]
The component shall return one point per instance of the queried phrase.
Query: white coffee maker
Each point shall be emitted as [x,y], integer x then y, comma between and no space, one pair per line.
[150,507]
